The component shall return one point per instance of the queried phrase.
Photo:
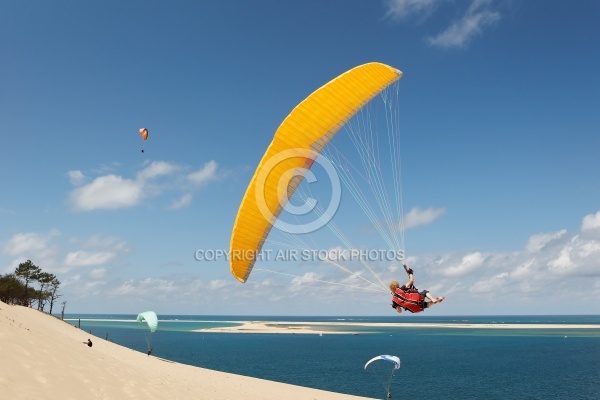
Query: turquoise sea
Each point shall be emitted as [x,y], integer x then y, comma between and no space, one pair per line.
[436,363]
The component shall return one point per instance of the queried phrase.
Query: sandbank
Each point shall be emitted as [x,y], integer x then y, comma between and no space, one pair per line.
[273,327]
[355,327]
[43,357]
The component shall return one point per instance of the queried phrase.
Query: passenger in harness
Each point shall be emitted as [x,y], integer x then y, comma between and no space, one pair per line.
[409,298]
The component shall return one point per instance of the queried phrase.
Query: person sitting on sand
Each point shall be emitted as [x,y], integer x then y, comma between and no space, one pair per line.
[409,298]
[149,351]
[89,343]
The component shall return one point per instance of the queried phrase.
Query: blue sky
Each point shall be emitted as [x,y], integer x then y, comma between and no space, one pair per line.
[499,120]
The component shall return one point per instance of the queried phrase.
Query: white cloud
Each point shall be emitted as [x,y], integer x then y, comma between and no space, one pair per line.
[205,174]
[417,216]
[490,285]
[107,192]
[30,243]
[299,282]
[217,284]
[478,16]
[182,202]
[98,273]
[588,249]
[591,222]
[103,242]
[402,9]
[469,279]
[531,275]
[517,282]
[37,247]
[562,262]
[83,258]
[156,169]
[579,256]
[95,251]
[471,23]
[468,264]
[43,250]
[538,242]
[151,290]
[76,177]
[524,269]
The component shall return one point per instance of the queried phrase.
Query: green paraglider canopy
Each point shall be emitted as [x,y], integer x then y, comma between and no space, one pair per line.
[150,318]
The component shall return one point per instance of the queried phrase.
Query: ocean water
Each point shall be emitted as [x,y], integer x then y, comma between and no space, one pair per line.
[436,363]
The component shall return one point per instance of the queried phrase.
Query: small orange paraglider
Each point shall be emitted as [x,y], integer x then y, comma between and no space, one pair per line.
[144,133]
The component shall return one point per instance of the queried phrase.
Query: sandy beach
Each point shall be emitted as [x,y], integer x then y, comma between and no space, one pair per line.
[350,327]
[45,358]
[274,327]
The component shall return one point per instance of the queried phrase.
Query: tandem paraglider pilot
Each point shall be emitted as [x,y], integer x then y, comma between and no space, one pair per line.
[408,297]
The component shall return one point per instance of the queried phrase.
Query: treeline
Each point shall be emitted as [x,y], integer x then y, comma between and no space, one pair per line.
[29,286]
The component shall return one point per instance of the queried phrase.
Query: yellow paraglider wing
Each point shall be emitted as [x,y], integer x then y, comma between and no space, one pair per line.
[297,142]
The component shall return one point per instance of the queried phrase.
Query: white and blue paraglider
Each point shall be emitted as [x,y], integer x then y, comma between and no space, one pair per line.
[394,364]
[150,319]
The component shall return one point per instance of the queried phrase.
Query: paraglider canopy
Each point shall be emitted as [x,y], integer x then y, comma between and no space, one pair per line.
[150,318]
[298,141]
[392,359]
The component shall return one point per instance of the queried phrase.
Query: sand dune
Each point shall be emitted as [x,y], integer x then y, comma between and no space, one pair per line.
[42,357]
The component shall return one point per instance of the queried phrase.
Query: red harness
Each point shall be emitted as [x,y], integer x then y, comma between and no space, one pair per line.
[409,299]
